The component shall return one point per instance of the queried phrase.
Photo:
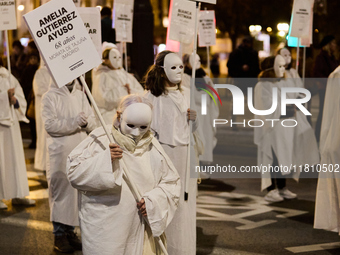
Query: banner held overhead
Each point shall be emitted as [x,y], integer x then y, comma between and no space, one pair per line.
[62,40]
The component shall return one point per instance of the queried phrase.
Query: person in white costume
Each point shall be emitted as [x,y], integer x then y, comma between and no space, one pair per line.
[206,131]
[275,144]
[170,120]
[110,217]
[305,145]
[13,175]
[41,83]
[111,82]
[67,116]
[327,209]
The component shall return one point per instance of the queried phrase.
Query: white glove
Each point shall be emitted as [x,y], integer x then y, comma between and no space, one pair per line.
[81,119]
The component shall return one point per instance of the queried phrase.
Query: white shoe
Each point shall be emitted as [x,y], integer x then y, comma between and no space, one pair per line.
[287,194]
[23,201]
[273,196]
[3,206]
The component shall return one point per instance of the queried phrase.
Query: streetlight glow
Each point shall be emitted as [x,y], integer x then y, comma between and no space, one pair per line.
[283,27]
[21,8]
[269,29]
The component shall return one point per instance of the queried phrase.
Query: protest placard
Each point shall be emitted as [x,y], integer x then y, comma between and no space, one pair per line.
[62,40]
[207,29]
[7,15]
[182,23]
[206,1]
[123,20]
[91,19]
[302,19]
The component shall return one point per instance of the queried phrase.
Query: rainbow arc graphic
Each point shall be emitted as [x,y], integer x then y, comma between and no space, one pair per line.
[207,88]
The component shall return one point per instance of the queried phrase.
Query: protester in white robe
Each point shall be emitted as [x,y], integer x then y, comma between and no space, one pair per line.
[110,217]
[13,176]
[170,123]
[327,209]
[41,83]
[111,83]
[305,145]
[275,142]
[206,131]
[67,116]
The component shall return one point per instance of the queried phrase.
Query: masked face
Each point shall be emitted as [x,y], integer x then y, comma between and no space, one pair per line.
[136,120]
[196,60]
[279,66]
[173,68]
[115,59]
[286,55]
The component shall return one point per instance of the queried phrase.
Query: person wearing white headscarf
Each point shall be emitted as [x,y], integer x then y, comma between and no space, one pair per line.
[13,175]
[67,117]
[110,83]
[111,216]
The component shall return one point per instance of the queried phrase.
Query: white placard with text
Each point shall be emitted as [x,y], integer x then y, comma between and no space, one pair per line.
[207,28]
[62,39]
[182,25]
[123,20]
[91,19]
[302,19]
[8,19]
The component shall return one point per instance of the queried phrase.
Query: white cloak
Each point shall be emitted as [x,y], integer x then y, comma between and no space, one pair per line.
[327,204]
[169,121]
[109,219]
[277,138]
[205,130]
[59,110]
[41,83]
[13,175]
[108,89]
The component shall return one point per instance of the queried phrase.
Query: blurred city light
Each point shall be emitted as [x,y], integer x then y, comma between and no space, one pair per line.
[255,29]
[100,7]
[21,7]
[283,27]
[269,29]
[165,21]
[282,33]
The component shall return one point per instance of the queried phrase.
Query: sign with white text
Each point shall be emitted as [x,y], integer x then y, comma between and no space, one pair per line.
[301,25]
[123,20]
[207,29]
[91,19]
[62,40]
[182,25]
[206,1]
[8,19]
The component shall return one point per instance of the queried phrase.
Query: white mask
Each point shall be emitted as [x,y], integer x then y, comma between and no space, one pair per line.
[197,61]
[173,68]
[279,66]
[136,120]
[286,55]
[115,58]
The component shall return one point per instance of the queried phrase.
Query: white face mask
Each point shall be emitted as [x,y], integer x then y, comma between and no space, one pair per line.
[196,60]
[286,55]
[115,58]
[173,68]
[136,120]
[279,66]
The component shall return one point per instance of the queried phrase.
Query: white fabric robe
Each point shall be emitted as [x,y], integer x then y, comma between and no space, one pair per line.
[59,110]
[13,175]
[41,83]
[109,219]
[327,204]
[267,138]
[169,122]
[108,89]
[205,130]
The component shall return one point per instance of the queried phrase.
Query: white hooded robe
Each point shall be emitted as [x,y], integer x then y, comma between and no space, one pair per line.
[169,122]
[109,219]
[13,175]
[327,204]
[41,83]
[59,110]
